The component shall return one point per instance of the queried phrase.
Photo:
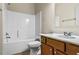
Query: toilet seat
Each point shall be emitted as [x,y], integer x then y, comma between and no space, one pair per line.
[34,44]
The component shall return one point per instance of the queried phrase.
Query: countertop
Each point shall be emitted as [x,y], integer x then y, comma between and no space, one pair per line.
[57,37]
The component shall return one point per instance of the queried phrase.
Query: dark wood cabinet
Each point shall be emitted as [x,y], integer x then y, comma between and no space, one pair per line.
[72,49]
[52,46]
[56,44]
[46,50]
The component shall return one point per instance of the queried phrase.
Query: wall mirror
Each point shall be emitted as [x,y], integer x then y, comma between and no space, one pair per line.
[66,14]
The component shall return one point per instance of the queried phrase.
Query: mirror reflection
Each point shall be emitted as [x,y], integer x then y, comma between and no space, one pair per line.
[66,14]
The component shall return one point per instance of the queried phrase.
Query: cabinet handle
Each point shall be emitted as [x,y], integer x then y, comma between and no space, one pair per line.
[50,49]
[55,52]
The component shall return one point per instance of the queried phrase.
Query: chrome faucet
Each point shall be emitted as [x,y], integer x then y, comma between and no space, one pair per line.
[70,33]
[67,34]
[7,35]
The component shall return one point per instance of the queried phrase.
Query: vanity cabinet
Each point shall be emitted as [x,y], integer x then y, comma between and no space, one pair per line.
[56,44]
[51,46]
[72,49]
[46,50]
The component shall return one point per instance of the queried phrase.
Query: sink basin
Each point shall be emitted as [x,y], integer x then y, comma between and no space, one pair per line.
[67,37]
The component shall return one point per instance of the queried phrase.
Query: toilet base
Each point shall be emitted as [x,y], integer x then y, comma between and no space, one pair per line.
[35,51]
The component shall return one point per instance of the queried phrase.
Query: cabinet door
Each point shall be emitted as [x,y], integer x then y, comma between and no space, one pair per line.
[56,44]
[57,52]
[46,50]
[72,49]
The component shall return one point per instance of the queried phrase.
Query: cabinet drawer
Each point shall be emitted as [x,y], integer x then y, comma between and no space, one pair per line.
[56,44]
[72,49]
[43,39]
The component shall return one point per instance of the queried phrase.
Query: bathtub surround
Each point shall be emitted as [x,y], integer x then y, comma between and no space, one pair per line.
[14,24]
[20,27]
[28,8]
[23,25]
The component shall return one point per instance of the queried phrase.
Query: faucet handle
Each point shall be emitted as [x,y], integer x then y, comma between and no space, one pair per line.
[7,33]
[69,33]
[65,33]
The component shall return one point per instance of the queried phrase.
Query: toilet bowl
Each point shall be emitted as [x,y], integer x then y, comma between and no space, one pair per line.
[34,47]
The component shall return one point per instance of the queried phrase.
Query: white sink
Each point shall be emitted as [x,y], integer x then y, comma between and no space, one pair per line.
[67,37]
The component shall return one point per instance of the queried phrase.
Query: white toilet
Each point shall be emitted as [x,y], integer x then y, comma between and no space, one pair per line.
[34,47]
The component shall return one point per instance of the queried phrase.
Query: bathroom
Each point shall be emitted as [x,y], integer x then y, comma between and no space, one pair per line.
[26,24]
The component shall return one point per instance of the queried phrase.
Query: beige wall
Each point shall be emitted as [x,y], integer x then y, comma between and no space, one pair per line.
[0,30]
[66,11]
[47,16]
[22,7]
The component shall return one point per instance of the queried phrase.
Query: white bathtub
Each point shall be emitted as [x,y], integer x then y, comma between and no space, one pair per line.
[15,46]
